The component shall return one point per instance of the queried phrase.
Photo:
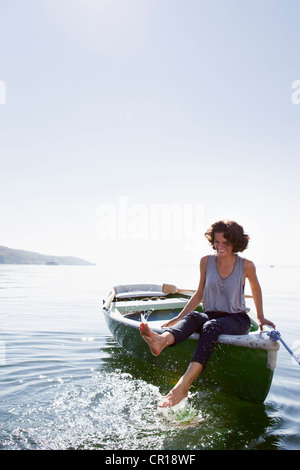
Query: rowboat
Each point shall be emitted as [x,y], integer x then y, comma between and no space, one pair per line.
[240,365]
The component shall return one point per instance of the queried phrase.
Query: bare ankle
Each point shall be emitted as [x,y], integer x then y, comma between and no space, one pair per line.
[168,338]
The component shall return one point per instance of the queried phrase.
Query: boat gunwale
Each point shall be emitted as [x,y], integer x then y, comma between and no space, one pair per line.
[256,346]
[253,340]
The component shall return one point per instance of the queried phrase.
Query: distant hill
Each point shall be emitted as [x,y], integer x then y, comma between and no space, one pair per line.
[12,256]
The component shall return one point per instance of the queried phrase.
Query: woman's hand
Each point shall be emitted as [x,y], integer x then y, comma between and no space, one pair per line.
[171,322]
[250,273]
[264,321]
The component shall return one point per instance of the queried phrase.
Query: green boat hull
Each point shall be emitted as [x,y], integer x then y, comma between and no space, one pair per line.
[242,371]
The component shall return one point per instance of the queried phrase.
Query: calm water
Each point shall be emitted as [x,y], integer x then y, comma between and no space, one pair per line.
[65,383]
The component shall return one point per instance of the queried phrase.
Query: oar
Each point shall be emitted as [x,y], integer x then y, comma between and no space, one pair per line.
[170,289]
[109,299]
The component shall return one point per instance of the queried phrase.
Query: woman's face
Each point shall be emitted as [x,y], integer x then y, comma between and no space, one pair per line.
[221,245]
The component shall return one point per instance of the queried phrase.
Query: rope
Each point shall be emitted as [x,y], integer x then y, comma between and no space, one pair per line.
[274,336]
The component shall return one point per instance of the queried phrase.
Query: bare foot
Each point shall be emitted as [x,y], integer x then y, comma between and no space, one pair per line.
[155,341]
[182,387]
[175,396]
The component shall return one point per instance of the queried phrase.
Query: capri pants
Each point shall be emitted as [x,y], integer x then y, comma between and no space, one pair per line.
[209,325]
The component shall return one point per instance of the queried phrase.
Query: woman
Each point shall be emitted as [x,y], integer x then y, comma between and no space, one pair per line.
[221,288]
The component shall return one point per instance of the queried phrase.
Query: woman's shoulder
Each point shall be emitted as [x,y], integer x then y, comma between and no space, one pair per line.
[249,266]
[204,260]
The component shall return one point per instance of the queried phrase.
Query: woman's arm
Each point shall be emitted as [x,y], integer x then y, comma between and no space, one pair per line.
[250,273]
[195,299]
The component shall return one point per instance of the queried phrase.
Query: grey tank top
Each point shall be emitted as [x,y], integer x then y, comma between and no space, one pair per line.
[224,294]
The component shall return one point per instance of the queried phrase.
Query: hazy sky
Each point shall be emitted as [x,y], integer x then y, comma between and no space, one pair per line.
[129,126]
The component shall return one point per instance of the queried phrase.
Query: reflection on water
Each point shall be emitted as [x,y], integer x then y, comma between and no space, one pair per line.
[114,405]
[66,384]
[210,419]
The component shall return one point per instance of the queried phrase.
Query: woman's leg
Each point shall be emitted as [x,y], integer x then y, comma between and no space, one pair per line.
[191,323]
[156,342]
[234,324]
[230,324]
[173,335]
[182,387]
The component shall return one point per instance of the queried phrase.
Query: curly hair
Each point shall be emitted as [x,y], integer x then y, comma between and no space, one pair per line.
[233,233]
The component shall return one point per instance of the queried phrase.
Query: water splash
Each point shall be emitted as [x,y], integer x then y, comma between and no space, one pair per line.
[145,316]
[183,414]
